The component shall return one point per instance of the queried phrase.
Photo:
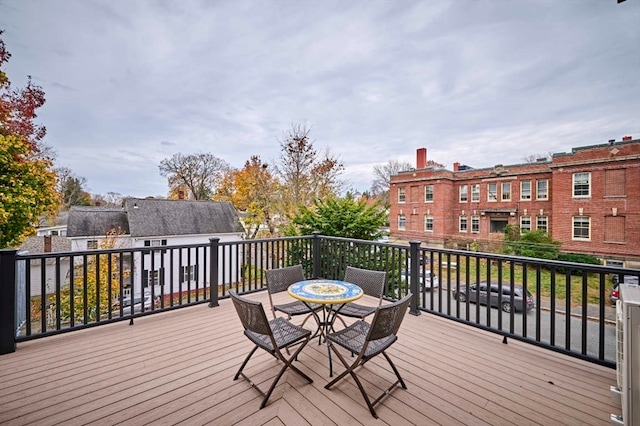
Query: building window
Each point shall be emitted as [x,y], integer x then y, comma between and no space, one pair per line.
[463,224]
[464,193]
[525,223]
[188,273]
[525,190]
[506,191]
[581,185]
[92,244]
[428,223]
[475,224]
[615,183]
[155,277]
[475,192]
[155,243]
[428,193]
[581,228]
[402,222]
[401,195]
[542,223]
[542,189]
[614,229]
[492,192]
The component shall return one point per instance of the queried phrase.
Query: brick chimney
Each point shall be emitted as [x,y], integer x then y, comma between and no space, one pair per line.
[180,195]
[421,158]
[456,166]
[47,243]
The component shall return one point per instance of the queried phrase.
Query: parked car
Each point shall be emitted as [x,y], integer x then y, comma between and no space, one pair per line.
[626,279]
[430,282]
[138,302]
[483,292]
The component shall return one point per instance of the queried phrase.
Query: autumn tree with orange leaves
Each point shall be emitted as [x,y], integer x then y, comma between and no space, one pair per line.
[27,179]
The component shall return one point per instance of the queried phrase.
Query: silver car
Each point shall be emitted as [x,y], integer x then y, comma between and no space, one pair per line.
[431,280]
[486,294]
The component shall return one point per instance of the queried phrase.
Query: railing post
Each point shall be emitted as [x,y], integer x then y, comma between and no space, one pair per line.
[414,266]
[7,301]
[214,244]
[316,254]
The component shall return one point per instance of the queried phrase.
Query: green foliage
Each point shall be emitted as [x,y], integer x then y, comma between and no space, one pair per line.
[538,244]
[579,258]
[27,189]
[340,217]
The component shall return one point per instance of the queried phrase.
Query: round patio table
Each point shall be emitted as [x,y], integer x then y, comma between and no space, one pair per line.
[325,293]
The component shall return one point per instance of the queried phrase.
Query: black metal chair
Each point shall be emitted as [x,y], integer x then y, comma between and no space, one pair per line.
[278,280]
[272,336]
[369,340]
[371,282]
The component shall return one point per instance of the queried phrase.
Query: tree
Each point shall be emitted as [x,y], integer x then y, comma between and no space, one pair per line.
[340,217]
[27,180]
[95,292]
[27,189]
[382,176]
[71,189]
[534,158]
[199,173]
[538,243]
[18,107]
[304,177]
[255,193]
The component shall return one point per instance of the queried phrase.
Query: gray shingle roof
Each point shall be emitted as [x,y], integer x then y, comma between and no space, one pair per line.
[148,217]
[95,221]
[35,244]
[157,217]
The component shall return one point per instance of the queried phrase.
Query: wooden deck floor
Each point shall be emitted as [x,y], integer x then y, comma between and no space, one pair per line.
[177,367]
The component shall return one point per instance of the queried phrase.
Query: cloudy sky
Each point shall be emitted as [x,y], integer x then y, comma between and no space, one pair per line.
[482,82]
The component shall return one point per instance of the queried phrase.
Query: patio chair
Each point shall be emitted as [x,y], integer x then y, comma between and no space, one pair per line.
[369,340]
[372,284]
[272,336]
[278,280]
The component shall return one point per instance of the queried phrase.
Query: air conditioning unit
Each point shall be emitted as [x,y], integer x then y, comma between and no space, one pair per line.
[628,356]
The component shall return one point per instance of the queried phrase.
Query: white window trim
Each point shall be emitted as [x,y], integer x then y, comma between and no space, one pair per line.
[402,191]
[546,229]
[530,224]
[546,193]
[573,237]
[476,219]
[425,193]
[466,193]
[489,199]
[573,184]
[502,184]
[475,195]
[425,223]
[522,190]
[460,219]
[404,227]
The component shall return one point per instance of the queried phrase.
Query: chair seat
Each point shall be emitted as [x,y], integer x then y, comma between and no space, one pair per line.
[296,308]
[284,333]
[353,337]
[354,310]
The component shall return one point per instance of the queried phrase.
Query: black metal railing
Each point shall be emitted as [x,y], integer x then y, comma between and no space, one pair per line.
[51,293]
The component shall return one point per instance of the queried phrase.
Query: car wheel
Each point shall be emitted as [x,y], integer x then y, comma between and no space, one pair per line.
[462,297]
[506,306]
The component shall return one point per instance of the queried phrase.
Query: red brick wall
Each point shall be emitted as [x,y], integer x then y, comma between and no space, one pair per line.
[559,208]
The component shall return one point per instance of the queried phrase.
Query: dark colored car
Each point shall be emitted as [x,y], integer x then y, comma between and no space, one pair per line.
[483,293]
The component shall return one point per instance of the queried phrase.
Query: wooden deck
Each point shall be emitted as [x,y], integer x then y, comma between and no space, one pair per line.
[177,367]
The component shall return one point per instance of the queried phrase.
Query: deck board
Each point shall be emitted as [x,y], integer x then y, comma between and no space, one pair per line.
[177,368]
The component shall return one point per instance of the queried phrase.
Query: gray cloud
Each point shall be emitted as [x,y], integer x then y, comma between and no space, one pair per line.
[479,82]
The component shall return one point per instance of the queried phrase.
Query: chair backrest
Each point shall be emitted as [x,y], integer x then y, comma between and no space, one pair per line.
[280,279]
[387,319]
[371,282]
[251,314]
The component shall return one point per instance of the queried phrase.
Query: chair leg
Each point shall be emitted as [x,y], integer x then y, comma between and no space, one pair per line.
[287,363]
[246,360]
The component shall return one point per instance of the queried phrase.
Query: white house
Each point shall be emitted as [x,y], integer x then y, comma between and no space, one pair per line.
[151,222]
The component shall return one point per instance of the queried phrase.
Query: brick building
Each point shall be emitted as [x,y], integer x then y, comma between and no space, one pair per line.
[588,199]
